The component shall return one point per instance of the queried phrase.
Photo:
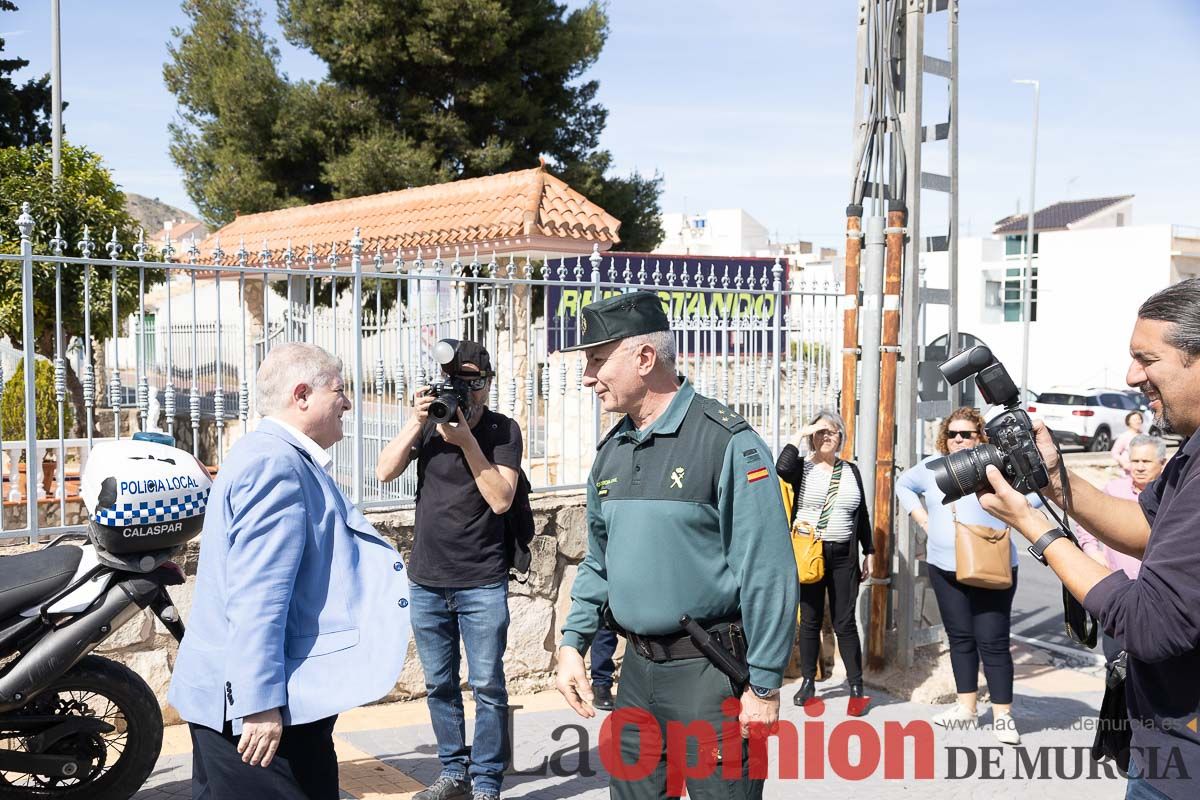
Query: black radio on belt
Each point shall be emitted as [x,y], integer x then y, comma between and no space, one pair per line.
[724,646]
[732,662]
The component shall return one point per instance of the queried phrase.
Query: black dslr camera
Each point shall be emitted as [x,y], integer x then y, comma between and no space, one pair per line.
[454,392]
[1011,448]
[449,396]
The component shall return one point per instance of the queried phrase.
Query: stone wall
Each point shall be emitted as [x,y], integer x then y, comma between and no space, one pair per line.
[537,607]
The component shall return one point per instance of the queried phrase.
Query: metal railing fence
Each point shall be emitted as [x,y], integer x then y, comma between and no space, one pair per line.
[767,344]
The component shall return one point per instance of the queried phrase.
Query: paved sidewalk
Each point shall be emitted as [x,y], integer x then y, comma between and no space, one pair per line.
[388,751]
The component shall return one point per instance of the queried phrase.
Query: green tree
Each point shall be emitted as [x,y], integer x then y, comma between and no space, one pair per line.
[24,110]
[12,404]
[632,199]
[84,195]
[418,92]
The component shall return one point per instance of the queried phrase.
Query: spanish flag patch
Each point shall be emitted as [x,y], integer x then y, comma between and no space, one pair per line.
[757,474]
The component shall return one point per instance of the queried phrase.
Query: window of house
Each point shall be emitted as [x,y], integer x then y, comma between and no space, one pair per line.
[1120,220]
[147,338]
[1014,244]
[993,294]
[1012,294]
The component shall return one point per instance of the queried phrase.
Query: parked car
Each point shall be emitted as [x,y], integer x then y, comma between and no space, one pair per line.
[1091,418]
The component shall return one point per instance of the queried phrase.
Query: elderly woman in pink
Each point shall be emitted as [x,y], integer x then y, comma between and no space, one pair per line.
[1120,448]
[1147,455]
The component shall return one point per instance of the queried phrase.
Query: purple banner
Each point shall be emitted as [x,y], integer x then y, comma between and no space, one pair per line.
[711,301]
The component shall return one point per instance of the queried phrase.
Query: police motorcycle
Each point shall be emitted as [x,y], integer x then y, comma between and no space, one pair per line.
[75,725]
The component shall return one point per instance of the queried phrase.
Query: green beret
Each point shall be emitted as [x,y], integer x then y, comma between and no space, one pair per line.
[619,317]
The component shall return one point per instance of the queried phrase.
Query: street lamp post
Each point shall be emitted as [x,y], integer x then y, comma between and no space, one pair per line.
[1026,295]
[55,91]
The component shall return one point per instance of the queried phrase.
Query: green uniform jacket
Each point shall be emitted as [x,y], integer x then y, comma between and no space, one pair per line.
[686,517]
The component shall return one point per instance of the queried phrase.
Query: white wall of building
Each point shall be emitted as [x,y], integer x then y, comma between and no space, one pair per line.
[1119,215]
[1090,284]
[813,273]
[206,301]
[717,232]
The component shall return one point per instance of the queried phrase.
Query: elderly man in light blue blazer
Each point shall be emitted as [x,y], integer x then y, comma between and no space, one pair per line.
[300,609]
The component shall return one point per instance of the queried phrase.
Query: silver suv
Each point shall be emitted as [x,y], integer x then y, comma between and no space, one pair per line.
[1091,418]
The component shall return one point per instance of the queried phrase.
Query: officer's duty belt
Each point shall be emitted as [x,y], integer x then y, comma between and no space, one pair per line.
[678,646]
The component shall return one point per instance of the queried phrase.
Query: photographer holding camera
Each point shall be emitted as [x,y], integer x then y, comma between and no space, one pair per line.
[467,474]
[1155,618]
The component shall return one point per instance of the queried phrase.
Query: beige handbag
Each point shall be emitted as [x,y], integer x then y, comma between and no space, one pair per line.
[982,555]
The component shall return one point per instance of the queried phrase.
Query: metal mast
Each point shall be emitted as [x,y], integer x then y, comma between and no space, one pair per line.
[887,181]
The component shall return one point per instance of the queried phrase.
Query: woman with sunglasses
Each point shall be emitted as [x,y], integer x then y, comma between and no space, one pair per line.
[976,620]
[828,500]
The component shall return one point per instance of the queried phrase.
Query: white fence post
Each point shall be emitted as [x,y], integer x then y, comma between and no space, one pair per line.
[25,225]
[356,247]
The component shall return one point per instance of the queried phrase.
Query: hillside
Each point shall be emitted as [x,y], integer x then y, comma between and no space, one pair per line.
[150,213]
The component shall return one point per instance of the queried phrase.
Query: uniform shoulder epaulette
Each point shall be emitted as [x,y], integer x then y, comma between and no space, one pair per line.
[721,413]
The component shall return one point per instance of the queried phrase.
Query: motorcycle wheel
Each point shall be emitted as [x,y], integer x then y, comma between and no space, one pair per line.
[115,764]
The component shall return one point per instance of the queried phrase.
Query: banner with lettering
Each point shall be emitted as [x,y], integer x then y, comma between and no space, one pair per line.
[716,304]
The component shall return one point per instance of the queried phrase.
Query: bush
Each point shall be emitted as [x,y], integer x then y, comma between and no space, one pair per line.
[12,404]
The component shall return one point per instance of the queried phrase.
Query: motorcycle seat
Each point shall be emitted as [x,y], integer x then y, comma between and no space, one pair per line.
[26,578]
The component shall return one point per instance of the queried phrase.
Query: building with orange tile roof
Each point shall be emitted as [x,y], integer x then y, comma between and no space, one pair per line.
[529,211]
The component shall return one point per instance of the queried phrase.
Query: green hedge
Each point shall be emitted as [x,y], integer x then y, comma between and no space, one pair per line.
[12,404]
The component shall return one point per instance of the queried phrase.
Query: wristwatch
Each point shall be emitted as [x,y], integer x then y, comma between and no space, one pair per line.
[763,694]
[1038,548]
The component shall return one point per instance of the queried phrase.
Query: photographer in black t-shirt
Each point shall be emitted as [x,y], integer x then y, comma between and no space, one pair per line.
[458,573]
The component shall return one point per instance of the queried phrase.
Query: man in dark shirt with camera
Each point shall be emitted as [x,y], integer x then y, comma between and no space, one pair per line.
[1156,617]
[466,480]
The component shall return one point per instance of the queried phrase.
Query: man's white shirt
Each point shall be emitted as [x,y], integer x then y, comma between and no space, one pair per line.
[319,454]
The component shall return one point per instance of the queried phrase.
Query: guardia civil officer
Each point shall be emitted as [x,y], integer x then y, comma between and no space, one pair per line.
[685,518]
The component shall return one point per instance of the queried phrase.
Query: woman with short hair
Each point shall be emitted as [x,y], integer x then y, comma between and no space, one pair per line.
[828,500]
[1120,448]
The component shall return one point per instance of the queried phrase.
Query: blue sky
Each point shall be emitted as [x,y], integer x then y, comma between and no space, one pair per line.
[749,104]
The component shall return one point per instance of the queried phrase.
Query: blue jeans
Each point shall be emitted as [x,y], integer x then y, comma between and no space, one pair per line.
[1139,788]
[604,645]
[479,616]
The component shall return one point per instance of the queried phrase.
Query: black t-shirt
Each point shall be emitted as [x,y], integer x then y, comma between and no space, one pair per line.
[459,540]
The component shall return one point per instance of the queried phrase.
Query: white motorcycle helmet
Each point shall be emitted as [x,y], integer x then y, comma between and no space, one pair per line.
[143,494]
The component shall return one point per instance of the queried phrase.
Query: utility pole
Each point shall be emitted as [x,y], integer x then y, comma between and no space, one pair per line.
[1026,288]
[886,197]
[56,90]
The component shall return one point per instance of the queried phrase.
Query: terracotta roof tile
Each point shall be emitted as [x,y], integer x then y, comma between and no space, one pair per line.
[505,213]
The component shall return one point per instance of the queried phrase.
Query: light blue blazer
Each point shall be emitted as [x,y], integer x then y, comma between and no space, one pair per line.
[299,604]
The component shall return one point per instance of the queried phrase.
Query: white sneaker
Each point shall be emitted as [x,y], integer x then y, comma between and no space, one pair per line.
[1005,728]
[957,717]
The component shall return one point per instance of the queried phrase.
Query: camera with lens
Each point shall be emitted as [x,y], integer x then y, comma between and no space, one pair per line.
[1011,448]
[454,393]
[449,396]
